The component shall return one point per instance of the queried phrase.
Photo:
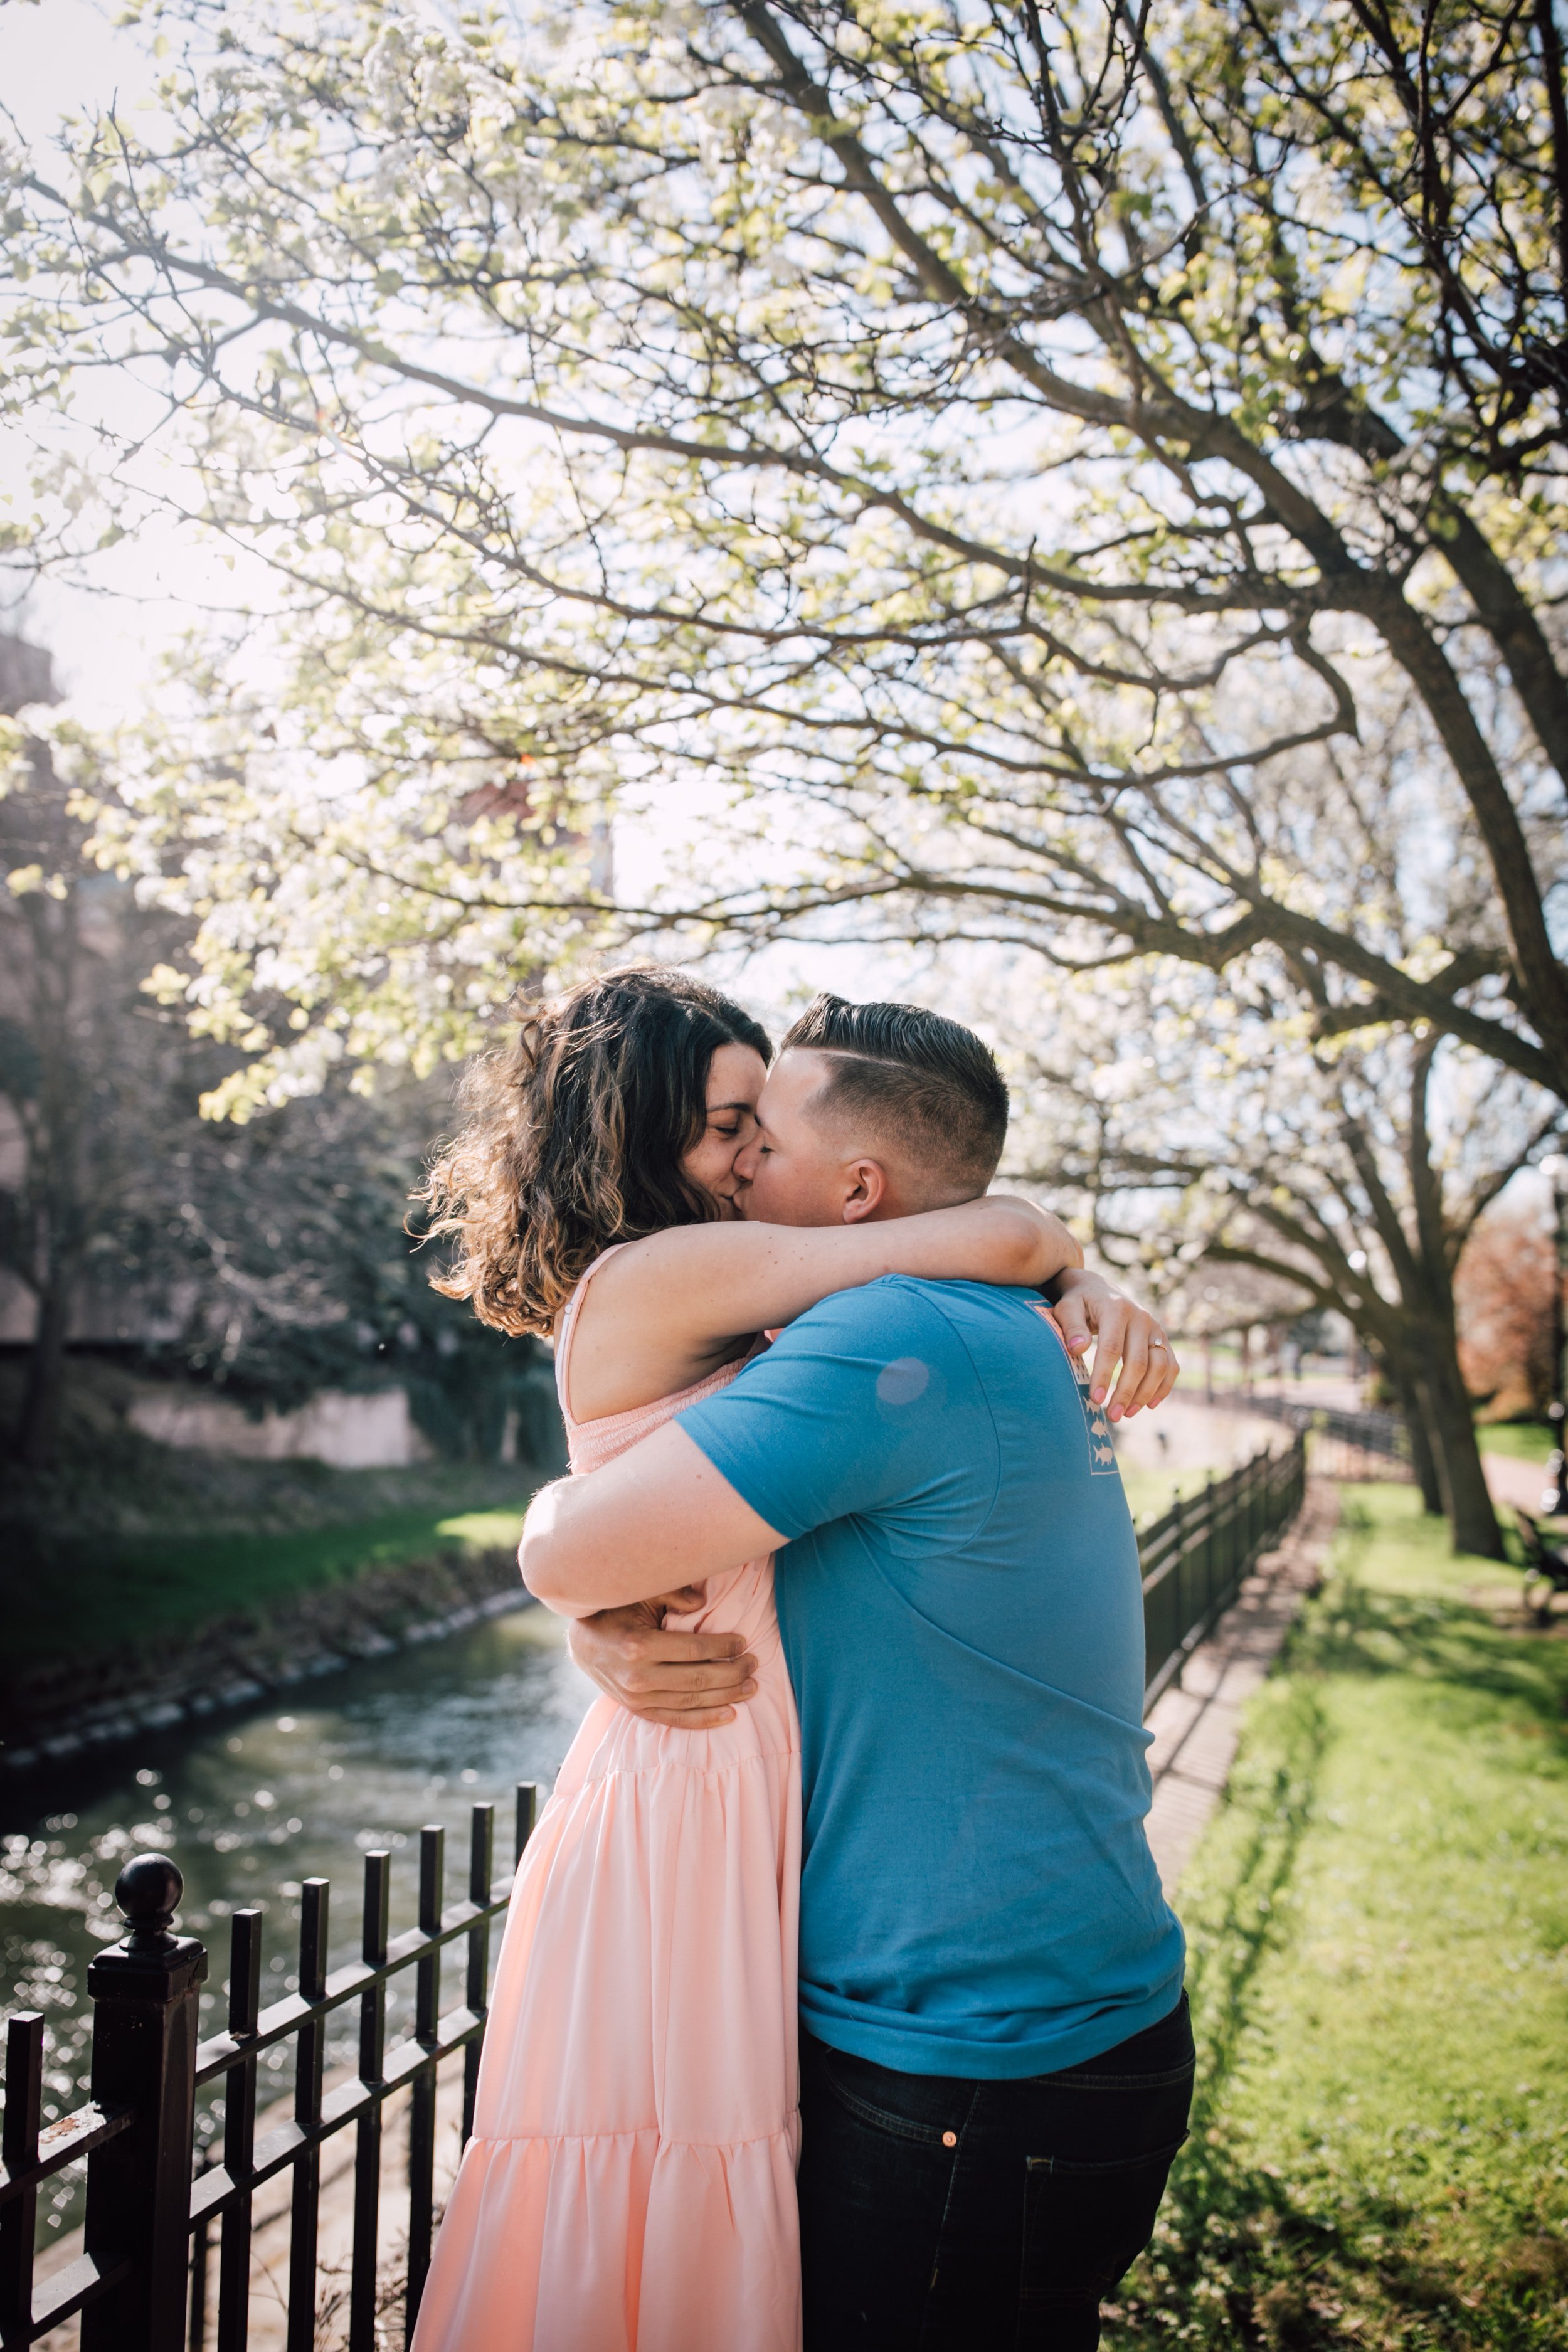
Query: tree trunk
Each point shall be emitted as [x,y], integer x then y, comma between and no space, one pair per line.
[1422,1459]
[1467,1499]
[40,1432]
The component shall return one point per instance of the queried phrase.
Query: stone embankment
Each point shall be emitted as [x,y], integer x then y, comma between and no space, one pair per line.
[64,1709]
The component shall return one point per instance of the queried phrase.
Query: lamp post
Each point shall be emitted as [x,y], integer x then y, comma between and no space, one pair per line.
[1554,1500]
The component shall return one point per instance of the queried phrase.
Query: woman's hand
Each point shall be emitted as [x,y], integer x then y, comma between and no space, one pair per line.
[1085,1307]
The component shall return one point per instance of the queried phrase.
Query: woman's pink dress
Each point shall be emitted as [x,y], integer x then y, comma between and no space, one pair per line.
[630,2183]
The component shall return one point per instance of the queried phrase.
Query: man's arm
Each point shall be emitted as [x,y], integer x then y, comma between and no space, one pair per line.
[657,1517]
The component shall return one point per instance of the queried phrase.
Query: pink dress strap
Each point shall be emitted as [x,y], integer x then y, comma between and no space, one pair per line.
[629,2186]
[589,1443]
[567,1332]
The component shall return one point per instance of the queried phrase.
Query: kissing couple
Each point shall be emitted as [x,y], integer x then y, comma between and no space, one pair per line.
[839,2001]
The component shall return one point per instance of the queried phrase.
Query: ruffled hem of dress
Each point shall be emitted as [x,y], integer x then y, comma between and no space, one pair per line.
[789,2132]
[619,2242]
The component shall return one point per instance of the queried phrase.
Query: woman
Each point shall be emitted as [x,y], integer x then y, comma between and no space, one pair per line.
[630,2182]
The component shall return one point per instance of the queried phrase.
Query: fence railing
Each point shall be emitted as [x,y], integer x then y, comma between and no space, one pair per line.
[1194,1558]
[143,2281]
[1338,1436]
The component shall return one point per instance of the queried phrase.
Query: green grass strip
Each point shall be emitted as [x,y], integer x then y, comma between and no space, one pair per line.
[1378,1918]
[1526,1440]
[1149,1492]
[126,1593]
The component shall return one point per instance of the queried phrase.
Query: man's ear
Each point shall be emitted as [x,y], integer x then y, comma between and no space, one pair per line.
[869,1190]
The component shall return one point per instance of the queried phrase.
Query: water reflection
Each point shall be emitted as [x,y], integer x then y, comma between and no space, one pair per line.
[254,1804]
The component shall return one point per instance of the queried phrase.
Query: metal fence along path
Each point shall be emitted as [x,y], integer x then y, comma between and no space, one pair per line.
[1344,1444]
[1196,1558]
[142,2282]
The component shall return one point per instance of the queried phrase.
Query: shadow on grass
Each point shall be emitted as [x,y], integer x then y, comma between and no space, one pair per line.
[1239,2259]
[1472,1662]
[1243,2256]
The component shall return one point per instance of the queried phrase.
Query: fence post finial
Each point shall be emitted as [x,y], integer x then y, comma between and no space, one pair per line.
[145,1990]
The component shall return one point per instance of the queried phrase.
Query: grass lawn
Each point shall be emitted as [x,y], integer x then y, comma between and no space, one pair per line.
[1378,1918]
[1526,1441]
[123,1591]
[1149,1492]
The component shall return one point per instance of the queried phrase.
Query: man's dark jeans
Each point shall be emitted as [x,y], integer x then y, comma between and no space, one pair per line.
[939,2215]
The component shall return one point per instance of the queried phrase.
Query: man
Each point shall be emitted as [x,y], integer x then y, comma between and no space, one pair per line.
[997,2061]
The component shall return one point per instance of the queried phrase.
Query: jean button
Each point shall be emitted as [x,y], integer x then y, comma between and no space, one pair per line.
[950,2139]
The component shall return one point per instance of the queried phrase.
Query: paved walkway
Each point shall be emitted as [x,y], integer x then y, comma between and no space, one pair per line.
[1512,1481]
[1185,1433]
[1197,1723]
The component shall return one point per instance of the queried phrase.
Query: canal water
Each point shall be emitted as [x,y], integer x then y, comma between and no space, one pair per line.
[253,1803]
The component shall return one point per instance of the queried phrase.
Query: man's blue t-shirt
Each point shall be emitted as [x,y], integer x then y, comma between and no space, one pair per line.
[961,1613]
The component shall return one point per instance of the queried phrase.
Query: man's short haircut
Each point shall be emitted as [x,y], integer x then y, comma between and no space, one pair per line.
[926,1085]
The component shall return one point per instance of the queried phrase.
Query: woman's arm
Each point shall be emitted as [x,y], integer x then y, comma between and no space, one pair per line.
[669,1310]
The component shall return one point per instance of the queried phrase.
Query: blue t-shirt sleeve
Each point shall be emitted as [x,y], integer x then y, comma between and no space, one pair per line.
[869,1402]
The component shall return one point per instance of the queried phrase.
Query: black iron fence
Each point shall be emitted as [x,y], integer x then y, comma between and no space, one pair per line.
[143,2281]
[1344,1444]
[1194,1559]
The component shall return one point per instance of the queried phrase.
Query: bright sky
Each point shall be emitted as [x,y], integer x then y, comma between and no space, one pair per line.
[59,57]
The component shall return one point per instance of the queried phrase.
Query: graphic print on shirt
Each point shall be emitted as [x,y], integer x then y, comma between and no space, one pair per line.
[1101,1452]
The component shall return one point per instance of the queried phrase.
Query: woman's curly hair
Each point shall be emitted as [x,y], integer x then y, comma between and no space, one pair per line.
[572,1139]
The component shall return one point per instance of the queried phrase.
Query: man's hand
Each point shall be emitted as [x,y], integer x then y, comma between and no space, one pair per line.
[689,1681]
[1087,1306]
